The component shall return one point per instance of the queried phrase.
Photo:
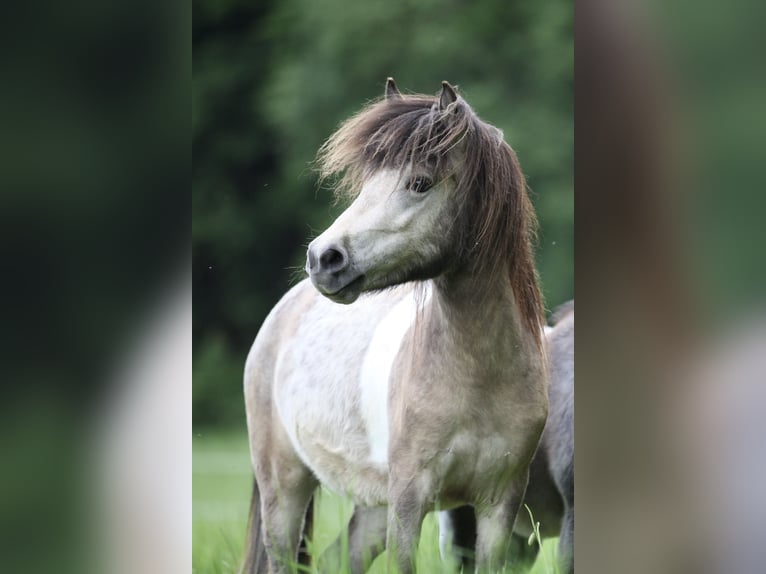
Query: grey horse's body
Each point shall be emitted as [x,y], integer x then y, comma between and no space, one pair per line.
[557,446]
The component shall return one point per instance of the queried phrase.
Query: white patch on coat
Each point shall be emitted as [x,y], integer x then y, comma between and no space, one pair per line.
[376,372]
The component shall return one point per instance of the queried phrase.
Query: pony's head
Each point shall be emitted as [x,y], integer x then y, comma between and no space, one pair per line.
[435,190]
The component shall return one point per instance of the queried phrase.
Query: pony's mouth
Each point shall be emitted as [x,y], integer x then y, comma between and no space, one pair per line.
[348,293]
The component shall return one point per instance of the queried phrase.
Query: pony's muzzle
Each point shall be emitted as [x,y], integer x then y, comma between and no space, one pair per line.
[331,260]
[331,272]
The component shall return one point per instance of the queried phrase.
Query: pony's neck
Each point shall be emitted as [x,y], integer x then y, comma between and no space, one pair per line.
[480,320]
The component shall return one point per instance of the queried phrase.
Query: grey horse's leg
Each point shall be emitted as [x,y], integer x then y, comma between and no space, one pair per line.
[285,497]
[366,537]
[495,527]
[566,542]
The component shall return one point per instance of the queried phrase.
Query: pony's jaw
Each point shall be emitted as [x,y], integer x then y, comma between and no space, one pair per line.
[387,236]
[339,292]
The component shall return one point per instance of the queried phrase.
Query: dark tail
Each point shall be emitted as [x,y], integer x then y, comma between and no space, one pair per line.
[255,552]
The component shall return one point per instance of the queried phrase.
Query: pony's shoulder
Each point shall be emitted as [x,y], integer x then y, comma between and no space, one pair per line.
[283,317]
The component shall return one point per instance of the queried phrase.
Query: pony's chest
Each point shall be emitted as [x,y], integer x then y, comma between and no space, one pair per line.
[332,395]
[321,415]
[474,468]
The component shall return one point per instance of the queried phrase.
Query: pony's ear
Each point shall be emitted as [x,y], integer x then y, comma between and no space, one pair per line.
[392,92]
[447,97]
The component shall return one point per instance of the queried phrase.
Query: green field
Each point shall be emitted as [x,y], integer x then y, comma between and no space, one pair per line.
[221,496]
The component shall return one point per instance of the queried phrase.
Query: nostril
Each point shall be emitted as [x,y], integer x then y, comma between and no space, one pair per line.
[332,259]
[312,259]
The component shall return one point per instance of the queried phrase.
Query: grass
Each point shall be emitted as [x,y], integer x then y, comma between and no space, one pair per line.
[221,498]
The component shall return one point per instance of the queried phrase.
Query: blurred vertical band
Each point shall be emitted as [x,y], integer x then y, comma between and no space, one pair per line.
[670,282]
[95,220]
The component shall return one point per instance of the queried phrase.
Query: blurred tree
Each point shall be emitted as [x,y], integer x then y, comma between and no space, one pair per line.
[273,80]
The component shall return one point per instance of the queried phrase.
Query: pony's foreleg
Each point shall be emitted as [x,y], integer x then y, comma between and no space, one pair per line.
[284,502]
[495,527]
[366,537]
[457,541]
[406,511]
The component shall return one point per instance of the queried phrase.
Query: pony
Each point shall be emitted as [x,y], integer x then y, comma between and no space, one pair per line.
[409,371]
[550,493]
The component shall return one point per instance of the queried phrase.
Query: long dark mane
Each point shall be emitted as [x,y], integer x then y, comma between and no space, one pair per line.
[496,224]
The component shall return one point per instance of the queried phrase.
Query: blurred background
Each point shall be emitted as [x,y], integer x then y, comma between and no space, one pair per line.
[272,80]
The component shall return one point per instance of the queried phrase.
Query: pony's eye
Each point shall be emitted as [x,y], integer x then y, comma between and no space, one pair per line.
[419,184]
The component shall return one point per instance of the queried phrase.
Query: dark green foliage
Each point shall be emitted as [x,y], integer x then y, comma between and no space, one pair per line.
[272,80]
